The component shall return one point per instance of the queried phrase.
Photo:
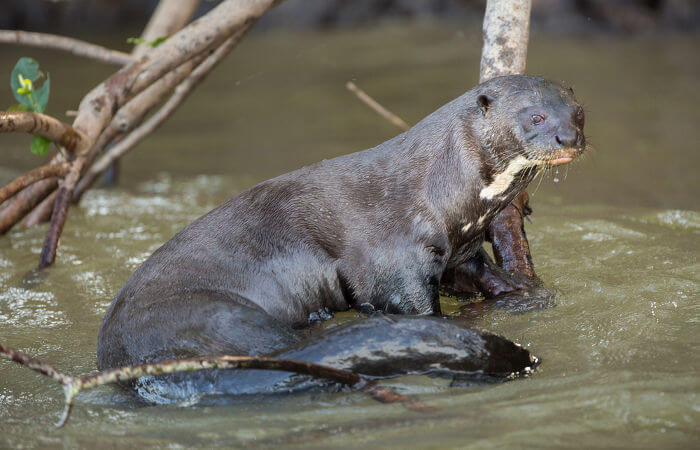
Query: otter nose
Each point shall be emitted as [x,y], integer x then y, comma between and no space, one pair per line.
[566,137]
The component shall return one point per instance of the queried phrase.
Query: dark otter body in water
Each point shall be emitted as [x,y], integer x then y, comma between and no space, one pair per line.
[377,346]
[385,229]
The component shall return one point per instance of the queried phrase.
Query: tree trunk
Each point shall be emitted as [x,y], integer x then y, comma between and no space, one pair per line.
[506,32]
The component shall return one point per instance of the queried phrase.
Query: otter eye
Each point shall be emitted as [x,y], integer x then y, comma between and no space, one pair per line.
[537,119]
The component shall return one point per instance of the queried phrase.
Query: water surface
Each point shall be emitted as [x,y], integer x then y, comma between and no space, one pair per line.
[615,235]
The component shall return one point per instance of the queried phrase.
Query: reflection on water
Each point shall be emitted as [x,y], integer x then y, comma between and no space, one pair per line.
[616,237]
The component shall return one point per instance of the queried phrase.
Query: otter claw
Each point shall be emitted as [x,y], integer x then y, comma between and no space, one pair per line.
[367,308]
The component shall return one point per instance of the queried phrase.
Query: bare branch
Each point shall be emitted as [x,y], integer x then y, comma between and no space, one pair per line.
[136,109]
[73,385]
[98,107]
[31,177]
[169,16]
[20,205]
[379,109]
[41,212]
[181,93]
[41,125]
[60,209]
[207,32]
[66,44]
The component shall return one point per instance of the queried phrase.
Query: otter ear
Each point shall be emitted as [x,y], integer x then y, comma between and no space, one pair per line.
[484,101]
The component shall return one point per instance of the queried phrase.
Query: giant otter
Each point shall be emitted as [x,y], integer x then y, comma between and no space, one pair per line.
[381,229]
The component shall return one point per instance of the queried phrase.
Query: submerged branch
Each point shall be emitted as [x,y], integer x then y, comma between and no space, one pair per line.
[376,106]
[73,385]
[66,44]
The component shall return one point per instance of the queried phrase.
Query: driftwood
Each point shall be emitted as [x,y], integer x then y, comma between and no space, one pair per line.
[73,385]
[114,111]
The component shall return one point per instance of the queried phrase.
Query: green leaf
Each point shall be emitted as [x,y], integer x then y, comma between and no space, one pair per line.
[29,69]
[135,40]
[153,43]
[40,146]
[18,107]
[37,99]
[41,95]
[158,41]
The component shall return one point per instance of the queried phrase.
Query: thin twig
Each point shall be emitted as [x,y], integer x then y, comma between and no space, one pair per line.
[73,385]
[379,109]
[31,177]
[66,44]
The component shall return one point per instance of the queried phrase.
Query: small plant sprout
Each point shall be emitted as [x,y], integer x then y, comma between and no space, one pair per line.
[31,89]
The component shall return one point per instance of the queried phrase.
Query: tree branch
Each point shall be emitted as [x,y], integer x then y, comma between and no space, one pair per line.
[99,106]
[41,212]
[31,177]
[73,385]
[181,93]
[378,108]
[66,44]
[169,16]
[22,203]
[41,125]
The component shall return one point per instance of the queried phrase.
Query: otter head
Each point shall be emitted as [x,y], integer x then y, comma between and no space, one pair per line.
[530,119]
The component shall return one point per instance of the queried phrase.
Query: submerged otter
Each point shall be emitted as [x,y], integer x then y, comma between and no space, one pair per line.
[381,229]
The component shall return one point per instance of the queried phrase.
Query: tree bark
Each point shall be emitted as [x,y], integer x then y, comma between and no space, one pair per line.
[41,125]
[22,203]
[169,17]
[506,32]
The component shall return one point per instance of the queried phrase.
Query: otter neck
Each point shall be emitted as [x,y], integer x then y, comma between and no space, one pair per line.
[502,178]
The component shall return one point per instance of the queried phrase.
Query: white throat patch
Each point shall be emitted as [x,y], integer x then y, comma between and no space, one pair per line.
[502,181]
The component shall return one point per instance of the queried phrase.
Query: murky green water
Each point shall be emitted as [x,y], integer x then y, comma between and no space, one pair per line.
[616,236]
